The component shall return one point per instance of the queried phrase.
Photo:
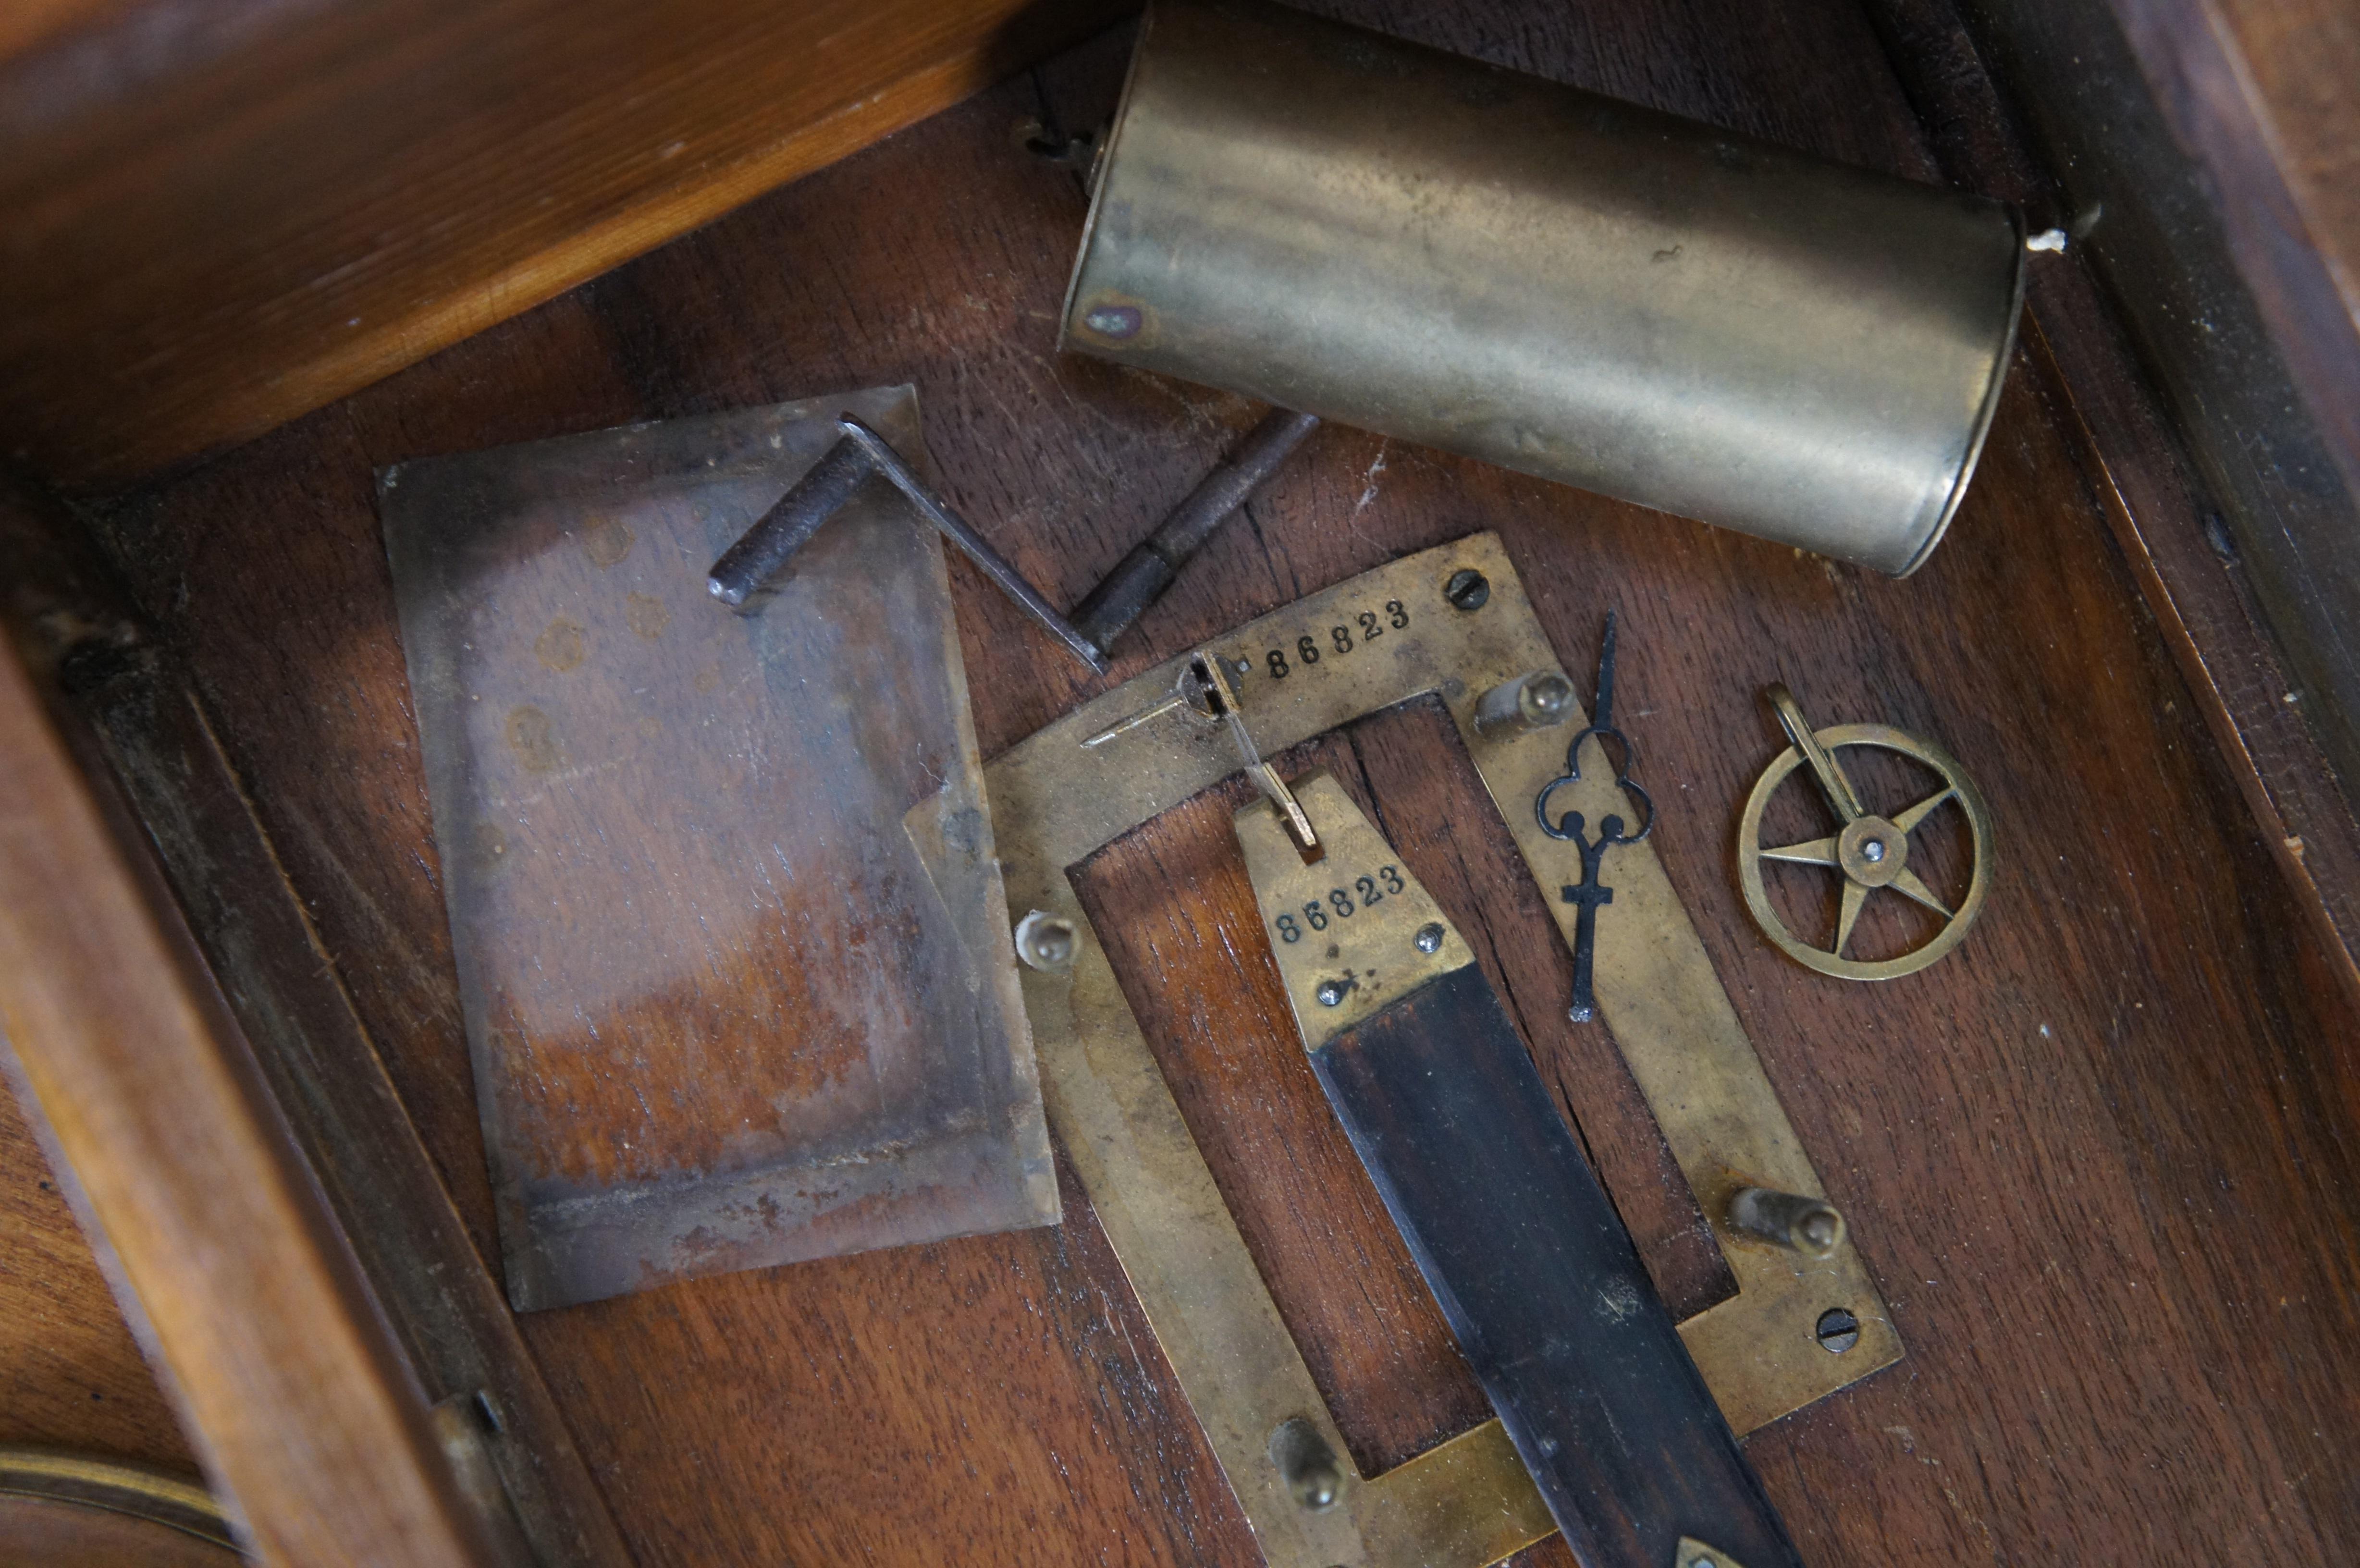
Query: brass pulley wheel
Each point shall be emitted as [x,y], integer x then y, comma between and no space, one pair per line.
[1870,852]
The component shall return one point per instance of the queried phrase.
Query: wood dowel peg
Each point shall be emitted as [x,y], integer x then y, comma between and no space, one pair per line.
[1539,701]
[1308,1465]
[1808,1226]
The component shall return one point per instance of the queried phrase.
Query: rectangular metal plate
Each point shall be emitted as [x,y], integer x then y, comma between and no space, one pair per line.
[733,948]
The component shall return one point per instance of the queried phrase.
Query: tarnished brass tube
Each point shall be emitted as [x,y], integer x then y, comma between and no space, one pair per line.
[1448,253]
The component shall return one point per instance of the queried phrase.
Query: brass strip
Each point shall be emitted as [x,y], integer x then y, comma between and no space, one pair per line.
[1672,1019]
[1344,928]
[139,1491]
[1055,801]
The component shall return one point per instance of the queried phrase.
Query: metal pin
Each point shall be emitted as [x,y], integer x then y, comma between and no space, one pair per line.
[1808,1226]
[1298,826]
[1187,692]
[1833,782]
[1308,1465]
[1209,690]
[1534,701]
[1122,726]
[1139,579]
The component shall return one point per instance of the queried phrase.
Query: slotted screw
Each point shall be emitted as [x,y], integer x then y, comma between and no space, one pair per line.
[1468,589]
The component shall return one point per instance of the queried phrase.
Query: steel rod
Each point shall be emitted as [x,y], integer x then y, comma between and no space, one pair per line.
[1139,579]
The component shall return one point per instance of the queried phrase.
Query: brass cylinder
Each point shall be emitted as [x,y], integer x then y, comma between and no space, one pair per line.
[1452,253]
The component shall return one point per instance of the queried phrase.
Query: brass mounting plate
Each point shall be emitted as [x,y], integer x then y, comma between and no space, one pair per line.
[1465,1502]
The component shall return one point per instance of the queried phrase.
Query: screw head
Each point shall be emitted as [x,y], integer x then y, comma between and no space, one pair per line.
[1871,850]
[1114,321]
[1838,1331]
[1468,589]
[1331,993]
[1429,937]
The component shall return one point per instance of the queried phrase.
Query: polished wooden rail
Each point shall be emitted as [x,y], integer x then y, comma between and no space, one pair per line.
[214,231]
[300,1404]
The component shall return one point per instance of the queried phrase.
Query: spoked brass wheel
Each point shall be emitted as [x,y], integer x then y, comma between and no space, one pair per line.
[1870,852]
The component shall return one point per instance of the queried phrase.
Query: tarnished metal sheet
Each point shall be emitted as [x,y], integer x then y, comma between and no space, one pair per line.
[733,948]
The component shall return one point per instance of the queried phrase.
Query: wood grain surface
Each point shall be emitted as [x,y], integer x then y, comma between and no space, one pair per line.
[67,614]
[223,215]
[71,1374]
[2265,95]
[298,1402]
[2101,1158]
[2297,64]
[69,1535]
[2206,597]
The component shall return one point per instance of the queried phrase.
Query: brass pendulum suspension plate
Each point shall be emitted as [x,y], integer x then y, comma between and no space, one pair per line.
[1056,800]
